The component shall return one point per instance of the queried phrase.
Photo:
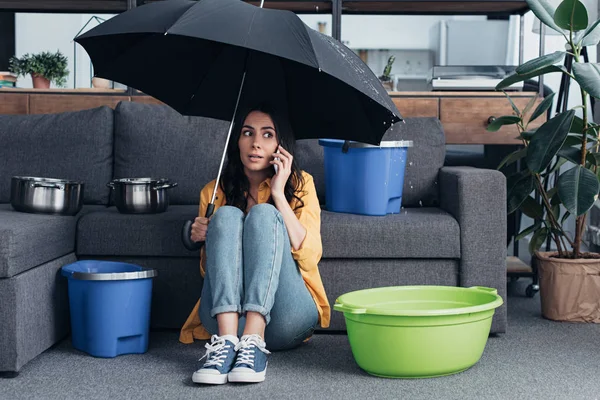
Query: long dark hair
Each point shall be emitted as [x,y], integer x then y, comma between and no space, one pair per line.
[234,181]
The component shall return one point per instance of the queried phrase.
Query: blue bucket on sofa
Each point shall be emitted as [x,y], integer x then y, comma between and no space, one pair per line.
[110,306]
[362,178]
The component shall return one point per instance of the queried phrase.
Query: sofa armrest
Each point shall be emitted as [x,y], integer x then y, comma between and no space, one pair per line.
[477,199]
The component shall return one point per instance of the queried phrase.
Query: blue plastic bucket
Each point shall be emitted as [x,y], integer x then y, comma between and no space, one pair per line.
[110,306]
[366,179]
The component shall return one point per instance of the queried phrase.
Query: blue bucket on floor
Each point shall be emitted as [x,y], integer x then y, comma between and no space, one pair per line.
[362,178]
[110,306]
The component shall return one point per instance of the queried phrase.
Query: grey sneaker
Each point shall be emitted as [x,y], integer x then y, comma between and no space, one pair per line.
[251,361]
[220,356]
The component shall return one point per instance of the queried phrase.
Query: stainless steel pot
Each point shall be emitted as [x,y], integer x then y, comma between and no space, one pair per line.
[141,195]
[46,195]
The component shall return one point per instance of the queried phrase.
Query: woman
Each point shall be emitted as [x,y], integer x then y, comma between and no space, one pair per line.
[262,289]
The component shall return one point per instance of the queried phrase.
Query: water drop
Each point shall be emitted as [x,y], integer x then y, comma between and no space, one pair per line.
[412,187]
[421,203]
[319,69]
[410,163]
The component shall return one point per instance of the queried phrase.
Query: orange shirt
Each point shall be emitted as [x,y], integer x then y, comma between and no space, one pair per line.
[307,256]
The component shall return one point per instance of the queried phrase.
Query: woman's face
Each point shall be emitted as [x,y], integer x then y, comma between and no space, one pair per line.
[258,141]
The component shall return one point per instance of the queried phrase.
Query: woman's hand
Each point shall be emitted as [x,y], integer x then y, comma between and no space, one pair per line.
[199,228]
[284,165]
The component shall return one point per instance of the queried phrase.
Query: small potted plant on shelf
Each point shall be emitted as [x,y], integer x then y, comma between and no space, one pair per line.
[44,67]
[386,78]
[566,147]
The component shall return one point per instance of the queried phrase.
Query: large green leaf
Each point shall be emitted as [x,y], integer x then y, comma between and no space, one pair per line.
[528,230]
[532,208]
[543,107]
[593,158]
[571,14]
[591,36]
[514,78]
[540,62]
[513,157]
[573,154]
[519,188]
[545,12]
[578,189]
[548,139]
[505,120]
[577,125]
[538,239]
[588,77]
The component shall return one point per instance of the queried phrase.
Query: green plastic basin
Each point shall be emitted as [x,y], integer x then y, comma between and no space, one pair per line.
[418,331]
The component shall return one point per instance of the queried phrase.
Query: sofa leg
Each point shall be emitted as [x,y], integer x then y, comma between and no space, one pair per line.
[8,374]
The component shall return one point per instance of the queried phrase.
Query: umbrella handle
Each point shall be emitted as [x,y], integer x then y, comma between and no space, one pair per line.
[186,231]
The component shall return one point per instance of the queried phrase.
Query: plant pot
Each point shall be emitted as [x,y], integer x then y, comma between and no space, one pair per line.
[40,82]
[388,85]
[101,83]
[569,289]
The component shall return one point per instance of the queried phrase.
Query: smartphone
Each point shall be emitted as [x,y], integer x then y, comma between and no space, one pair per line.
[276,158]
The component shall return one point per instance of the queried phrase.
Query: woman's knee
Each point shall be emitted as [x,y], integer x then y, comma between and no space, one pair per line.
[260,215]
[226,217]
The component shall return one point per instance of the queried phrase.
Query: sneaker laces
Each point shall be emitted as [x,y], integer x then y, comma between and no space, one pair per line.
[246,347]
[216,352]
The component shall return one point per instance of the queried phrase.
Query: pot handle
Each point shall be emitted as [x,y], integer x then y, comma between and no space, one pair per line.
[343,308]
[165,186]
[485,289]
[47,185]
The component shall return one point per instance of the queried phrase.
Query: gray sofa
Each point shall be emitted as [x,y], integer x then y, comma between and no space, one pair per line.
[451,230]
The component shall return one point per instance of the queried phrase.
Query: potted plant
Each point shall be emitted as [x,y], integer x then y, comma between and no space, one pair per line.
[566,145]
[386,78]
[44,67]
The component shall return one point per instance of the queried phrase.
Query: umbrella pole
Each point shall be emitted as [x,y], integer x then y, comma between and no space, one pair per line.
[187,227]
[211,205]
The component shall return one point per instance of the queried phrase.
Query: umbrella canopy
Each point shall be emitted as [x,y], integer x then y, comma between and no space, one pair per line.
[192,56]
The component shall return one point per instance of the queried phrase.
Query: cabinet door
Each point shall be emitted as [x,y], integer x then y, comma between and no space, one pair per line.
[417,107]
[466,119]
[12,103]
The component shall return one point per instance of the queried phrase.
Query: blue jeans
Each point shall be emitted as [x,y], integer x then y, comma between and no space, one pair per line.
[249,267]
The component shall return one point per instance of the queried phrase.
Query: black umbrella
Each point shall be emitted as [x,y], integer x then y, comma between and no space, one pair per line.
[199,57]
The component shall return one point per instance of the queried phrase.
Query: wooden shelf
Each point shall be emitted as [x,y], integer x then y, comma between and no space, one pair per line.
[515,265]
[464,115]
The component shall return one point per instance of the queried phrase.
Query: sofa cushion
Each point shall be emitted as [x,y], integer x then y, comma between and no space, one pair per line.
[424,159]
[71,145]
[156,141]
[28,240]
[108,232]
[426,232]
